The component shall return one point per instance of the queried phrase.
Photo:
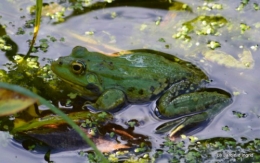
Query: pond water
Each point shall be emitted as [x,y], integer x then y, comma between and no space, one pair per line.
[109,27]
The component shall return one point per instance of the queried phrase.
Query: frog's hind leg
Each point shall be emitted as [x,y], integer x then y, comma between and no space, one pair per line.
[196,108]
[170,105]
[166,100]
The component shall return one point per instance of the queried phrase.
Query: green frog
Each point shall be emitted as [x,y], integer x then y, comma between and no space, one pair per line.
[110,82]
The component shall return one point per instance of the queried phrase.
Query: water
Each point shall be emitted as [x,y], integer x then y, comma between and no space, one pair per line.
[126,25]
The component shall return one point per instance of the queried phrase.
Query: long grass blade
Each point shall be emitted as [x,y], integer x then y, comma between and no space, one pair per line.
[28,93]
[36,26]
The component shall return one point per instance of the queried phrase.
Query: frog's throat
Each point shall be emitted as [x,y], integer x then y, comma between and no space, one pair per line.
[77,87]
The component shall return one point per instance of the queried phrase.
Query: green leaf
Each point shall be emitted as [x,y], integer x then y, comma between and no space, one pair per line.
[37,25]
[12,102]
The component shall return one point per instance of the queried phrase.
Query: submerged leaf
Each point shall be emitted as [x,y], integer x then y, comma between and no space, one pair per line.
[245,59]
[12,102]
[51,9]
[68,139]
[53,121]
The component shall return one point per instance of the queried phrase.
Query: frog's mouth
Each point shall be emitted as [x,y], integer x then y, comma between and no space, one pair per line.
[81,90]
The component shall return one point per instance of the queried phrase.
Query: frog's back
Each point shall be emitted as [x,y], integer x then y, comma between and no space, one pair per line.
[142,75]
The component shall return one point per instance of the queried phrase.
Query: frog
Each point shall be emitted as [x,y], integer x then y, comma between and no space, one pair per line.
[139,76]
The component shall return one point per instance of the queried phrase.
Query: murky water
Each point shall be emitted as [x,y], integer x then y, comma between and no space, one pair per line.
[126,25]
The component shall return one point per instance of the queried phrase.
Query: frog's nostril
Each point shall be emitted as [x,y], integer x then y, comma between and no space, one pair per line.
[60,63]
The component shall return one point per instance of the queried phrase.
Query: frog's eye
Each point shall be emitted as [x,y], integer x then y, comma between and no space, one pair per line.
[78,67]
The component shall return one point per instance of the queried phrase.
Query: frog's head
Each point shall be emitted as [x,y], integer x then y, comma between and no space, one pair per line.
[73,70]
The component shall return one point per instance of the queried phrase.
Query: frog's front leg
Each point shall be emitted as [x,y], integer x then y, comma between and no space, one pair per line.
[110,99]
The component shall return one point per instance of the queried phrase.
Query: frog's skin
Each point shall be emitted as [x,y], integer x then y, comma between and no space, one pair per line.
[111,81]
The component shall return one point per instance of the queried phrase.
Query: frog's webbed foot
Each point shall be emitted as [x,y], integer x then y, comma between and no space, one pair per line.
[109,100]
[180,126]
[171,106]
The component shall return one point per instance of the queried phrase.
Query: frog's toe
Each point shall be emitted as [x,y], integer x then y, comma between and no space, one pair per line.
[190,124]
[90,106]
[111,100]
[182,125]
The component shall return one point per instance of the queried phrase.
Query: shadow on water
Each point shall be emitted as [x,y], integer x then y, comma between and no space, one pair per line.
[14,47]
